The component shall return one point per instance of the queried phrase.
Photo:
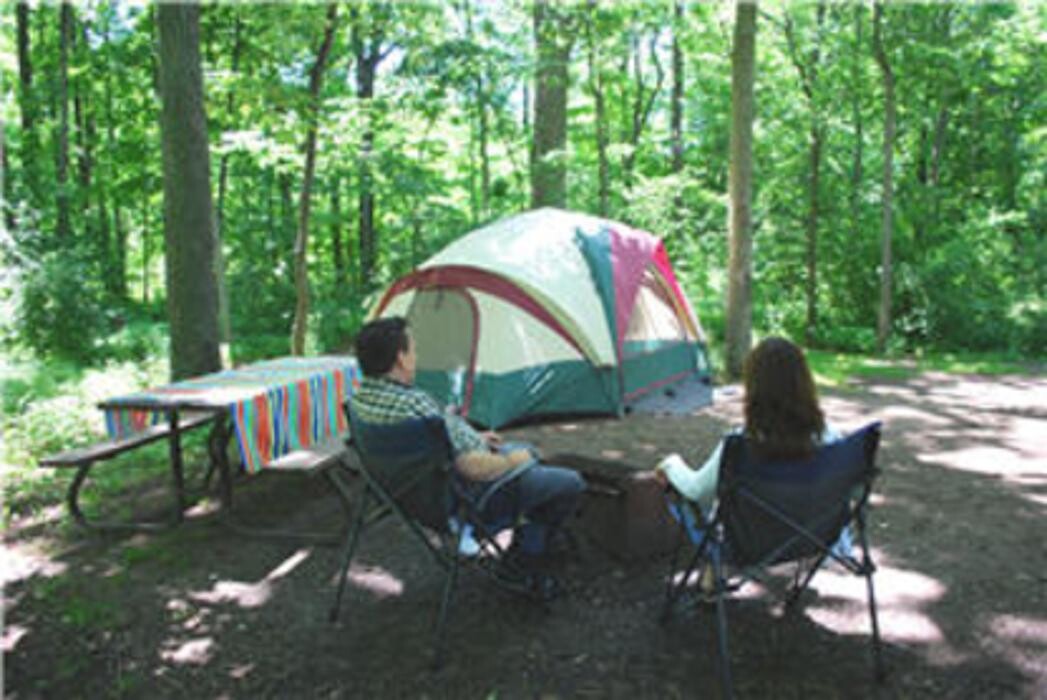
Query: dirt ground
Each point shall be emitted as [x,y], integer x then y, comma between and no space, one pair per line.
[958,531]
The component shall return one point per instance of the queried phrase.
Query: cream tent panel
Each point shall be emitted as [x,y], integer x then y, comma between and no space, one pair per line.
[511,339]
[537,251]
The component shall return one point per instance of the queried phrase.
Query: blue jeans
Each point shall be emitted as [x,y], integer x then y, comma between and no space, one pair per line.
[540,500]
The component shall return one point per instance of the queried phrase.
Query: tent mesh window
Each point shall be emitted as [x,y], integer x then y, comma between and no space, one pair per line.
[655,321]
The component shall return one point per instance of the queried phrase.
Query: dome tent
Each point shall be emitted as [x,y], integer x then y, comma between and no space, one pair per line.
[548,312]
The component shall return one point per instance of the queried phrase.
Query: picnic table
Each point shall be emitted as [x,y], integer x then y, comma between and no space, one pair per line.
[285,414]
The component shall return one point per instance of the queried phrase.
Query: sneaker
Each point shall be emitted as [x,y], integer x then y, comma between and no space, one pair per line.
[467,543]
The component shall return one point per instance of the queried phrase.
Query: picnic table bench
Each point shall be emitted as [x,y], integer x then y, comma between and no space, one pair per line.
[84,458]
[285,415]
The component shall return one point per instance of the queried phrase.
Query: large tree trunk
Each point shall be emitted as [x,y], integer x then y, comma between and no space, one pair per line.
[192,293]
[63,225]
[549,166]
[883,326]
[738,333]
[301,245]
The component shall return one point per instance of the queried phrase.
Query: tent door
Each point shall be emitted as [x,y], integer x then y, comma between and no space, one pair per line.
[445,325]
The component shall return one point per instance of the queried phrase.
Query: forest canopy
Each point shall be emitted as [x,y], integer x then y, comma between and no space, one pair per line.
[433,118]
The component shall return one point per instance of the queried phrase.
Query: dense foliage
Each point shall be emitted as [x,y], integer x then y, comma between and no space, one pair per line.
[444,144]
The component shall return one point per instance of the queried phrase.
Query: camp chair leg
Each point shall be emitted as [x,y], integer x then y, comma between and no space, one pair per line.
[721,622]
[879,672]
[670,595]
[445,605]
[354,536]
[797,589]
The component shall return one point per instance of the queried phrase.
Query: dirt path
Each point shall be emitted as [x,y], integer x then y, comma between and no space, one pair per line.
[958,533]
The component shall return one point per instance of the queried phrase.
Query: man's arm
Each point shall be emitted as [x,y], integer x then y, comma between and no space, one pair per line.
[488,466]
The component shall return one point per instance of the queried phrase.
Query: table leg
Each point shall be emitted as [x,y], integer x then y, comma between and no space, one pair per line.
[177,472]
[218,446]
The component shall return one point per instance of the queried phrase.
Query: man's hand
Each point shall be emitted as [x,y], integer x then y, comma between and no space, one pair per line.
[493,439]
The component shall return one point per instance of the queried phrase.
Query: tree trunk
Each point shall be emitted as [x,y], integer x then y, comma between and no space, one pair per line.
[738,333]
[5,186]
[549,167]
[807,67]
[815,164]
[599,104]
[368,53]
[83,115]
[883,326]
[301,245]
[483,127]
[27,101]
[192,294]
[856,112]
[225,323]
[336,231]
[676,109]
[147,251]
[63,225]
[643,102]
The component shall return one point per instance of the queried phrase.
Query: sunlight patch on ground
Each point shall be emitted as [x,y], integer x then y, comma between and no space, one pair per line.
[250,595]
[376,580]
[11,635]
[194,651]
[18,564]
[900,596]
[982,459]
[1022,641]
[241,671]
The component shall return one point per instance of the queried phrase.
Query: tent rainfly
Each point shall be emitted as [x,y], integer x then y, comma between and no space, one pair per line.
[548,312]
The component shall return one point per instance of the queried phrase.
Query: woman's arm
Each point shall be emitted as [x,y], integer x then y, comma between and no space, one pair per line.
[695,484]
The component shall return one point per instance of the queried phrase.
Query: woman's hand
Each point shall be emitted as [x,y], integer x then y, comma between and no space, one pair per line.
[661,478]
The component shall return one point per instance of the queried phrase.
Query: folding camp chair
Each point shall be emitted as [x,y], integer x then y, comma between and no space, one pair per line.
[775,512]
[408,471]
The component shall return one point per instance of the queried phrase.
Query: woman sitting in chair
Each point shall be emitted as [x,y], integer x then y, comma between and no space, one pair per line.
[782,420]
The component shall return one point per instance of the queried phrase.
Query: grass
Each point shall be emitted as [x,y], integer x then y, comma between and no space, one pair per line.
[837,369]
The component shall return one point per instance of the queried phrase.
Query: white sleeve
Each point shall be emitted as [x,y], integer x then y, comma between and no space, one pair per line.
[831,434]
[695,484]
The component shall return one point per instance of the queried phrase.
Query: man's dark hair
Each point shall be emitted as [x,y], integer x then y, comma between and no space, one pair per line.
[379,342]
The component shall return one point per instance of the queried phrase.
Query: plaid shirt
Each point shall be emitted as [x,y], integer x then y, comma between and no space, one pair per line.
[384,401]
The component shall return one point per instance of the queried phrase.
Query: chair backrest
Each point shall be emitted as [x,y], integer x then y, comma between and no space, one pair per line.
[762,502]
[411,461]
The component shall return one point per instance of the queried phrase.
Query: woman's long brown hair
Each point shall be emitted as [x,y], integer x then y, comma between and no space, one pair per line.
[782,416]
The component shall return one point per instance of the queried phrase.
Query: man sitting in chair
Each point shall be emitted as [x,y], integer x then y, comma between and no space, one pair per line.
[541,498]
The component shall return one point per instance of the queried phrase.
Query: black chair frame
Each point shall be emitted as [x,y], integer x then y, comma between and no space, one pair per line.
[377,501]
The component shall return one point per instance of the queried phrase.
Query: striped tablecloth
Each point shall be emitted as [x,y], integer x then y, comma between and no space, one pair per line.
[276,406]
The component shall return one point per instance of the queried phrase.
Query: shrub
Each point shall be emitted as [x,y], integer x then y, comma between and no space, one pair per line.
[60,310]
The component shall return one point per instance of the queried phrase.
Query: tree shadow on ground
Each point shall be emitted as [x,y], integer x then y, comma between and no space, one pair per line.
[202,611]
